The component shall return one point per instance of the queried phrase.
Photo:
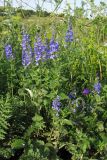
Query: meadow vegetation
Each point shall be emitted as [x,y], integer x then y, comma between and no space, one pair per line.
[53,86]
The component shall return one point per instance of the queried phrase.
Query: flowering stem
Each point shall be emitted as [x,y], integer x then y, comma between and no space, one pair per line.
[100,70]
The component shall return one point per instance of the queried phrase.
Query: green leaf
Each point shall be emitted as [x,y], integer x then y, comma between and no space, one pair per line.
[17,143]
[67,122]
[100,126]
[63,96]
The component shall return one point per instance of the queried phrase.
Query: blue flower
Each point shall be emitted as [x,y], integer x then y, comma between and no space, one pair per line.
[71,95]
[56,104]
[8,51]
[26,50]
[86,91]
[97,87]
[69,35]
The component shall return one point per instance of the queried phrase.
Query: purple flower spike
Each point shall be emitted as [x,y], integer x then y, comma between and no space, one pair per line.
[26,59]
[26,50]
[54,46]
[69,35]
[86,91]
[8,51]
[51,48]
[97,87]
[56,104]
[39,49]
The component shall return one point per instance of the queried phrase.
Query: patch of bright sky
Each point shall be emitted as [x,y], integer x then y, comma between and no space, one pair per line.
[47,5]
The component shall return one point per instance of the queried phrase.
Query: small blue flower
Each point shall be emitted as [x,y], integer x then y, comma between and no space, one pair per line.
[86,91]
[71,95]
[97,87]
[56,104]
[8,51]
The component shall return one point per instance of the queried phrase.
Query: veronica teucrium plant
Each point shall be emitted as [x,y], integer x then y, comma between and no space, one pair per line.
[36,124]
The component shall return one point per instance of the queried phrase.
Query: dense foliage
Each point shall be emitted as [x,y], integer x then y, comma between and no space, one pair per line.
[53,90]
